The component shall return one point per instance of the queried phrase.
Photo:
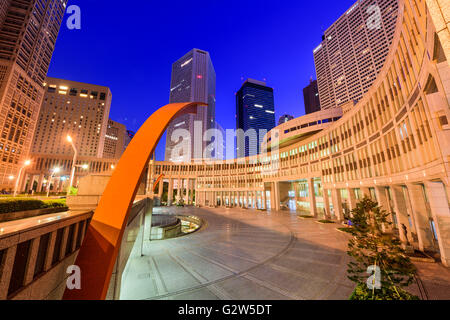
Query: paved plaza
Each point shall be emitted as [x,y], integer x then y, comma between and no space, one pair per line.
[252,255]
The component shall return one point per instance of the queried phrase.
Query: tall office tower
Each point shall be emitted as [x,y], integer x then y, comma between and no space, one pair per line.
[193,80]
[353,51]
[72,108]
[311,97]
[28,33]
[116,135]
[285,118]
[255,109]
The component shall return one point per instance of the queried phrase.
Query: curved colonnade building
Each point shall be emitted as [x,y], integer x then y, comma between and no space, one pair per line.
[393,146]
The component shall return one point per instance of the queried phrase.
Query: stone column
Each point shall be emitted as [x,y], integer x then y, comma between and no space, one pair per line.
[401,210]
[187,192]
[366,192]
[180,189]
[23,182]
[383,202]
[440,211]
[312,197]
[255,199]
[40,182]
[326,204]
[351,199]
[160,189]
[263,199]
[419,211]
[337,204]
[170,192]
[277,196]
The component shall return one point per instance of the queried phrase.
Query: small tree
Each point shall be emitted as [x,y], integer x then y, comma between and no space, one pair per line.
[374,251]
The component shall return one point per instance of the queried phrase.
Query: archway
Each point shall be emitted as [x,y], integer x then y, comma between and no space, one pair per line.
[100,247]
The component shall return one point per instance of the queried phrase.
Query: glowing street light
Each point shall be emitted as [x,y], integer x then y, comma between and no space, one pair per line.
[26,164]
[54,172]
[74,163]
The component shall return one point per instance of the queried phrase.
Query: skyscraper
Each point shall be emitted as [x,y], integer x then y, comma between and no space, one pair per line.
[28,33]
[353,51]
[72,108]
[193,80]
[311,97]
[255,109]
[115,139]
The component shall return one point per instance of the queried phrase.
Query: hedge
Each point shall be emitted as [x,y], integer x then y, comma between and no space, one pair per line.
[16,205]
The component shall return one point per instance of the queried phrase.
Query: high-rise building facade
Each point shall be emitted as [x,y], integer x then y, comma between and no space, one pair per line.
[353,51]
[72,108]
[255,110]
[28,33]
[193,80]
[311,97]
[116,135]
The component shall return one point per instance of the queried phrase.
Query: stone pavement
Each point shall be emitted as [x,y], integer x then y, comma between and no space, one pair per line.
[251,255]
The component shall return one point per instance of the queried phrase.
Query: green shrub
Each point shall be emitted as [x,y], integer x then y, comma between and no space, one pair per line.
[306,216]
[347,230]
[362,292]
[55,203]
[23,204]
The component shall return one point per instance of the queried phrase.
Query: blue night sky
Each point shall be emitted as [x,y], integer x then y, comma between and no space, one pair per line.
[130,47]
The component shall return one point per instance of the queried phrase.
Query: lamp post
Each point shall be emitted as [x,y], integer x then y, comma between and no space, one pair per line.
[54,171]
[74,164]
[26,164]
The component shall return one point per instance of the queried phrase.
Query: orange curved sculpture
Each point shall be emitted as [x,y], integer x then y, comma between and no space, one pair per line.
[100,247]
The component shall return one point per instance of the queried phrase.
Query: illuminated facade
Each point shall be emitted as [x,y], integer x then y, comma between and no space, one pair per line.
[116,136]
[28,33]
[353,51]
[193,80]
[393,146]
[78,110]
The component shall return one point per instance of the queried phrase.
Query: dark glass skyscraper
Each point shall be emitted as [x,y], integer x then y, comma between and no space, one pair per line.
[255,109]
[193,80]
[311,97]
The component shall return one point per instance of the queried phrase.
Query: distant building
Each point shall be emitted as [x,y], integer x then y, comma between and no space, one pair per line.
[311,97]
[255,109]
[129,137]
[352,53]
[193,80]
[115,138]
[72,108]
[285,118]
[28,33]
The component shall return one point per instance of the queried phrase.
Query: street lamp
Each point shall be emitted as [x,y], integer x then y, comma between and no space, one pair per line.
[54,172]
[74,164]
[26,164]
